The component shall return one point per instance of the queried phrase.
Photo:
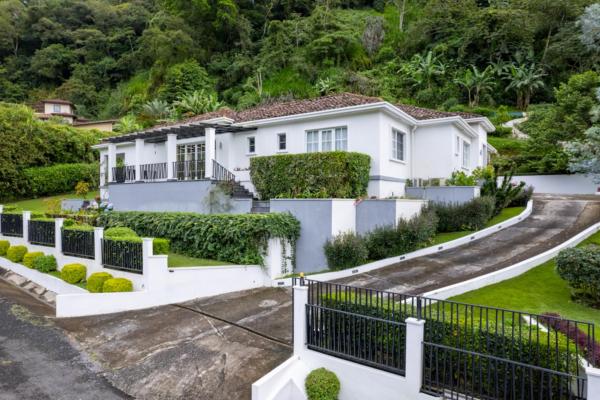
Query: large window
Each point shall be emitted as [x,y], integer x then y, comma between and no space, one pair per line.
[466,154]
[398,138]
[327,139]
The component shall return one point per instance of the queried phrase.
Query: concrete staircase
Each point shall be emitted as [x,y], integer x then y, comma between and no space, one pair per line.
[240,192]
[37,291]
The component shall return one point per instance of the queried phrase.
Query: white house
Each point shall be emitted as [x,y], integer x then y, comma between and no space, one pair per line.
[404,142]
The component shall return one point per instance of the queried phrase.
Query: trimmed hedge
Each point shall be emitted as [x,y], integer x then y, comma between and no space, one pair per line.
[322,384]
[161,246]
[4,245]
[240,239]
[336,174]
[96,281]
[345,250]
[580,267]
[119,232]
[45,264]
[29,258]
[16,253]
[59,178]
[73,273]
[470,216]
[114,285]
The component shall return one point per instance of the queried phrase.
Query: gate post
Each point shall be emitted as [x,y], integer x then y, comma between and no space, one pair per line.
[58,224]
[26,218]
[415,333]
[98,236]
[300,301]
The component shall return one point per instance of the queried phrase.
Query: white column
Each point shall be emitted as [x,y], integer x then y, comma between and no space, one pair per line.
[58,224]
[209,149]
[593,383]
[112,160]
[300,301]
[139,149]
[415,332]
[171,154]
[98,236]
[26,218]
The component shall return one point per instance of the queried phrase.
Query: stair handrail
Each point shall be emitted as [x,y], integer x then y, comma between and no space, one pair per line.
[220,173]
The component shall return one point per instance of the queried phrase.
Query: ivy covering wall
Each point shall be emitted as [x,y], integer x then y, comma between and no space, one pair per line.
[335,174]
[240,239]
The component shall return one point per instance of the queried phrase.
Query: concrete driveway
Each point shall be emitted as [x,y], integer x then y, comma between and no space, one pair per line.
[554,219]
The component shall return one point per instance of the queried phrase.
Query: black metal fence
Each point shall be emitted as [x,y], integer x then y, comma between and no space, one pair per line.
[189,170]
[42,233]
[122,255]
[11,224]
[153,172]
[78,243]
[220,173]
[124,173]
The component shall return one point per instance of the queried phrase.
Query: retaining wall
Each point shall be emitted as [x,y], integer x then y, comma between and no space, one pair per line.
[559,184]
[444,194]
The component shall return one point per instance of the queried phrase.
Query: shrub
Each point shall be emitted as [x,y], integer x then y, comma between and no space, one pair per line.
[345,250]
[117,285]
[522,198]
[45,264]
[406,236]
[119,232]
[16,253]
[161,246]
[239,239]
[95,282]
[322,384]
[4,245]
[470,216]
[59,178]
[580,267]
[29,258]
[459,178]
[503,193]
[336,174]
[73,273]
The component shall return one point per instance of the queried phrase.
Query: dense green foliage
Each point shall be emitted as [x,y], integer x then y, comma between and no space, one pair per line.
[322,384]
[233,238]
[59,178]
[73,273]
[95,282]
[470,216]
[4,245]
[159,245]
[581,268]
[30,257]
[345,250]
[333,174]
[113,285]
[16,253]
[45,263]
[28,142]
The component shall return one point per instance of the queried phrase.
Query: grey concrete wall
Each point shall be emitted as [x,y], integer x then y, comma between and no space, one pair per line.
[71,204]
[203,197]
[315,218]
[371,214]
[444,194]
[559,184]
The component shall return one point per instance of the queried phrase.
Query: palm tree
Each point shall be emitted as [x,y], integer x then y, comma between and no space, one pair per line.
[525,80]
[157,110]
[476,83]
[425,68]
[128,124]
[197,102]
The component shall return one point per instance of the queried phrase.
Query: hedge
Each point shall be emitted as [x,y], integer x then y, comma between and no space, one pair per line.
[73,273]
[336,174]
[580,267]
[4,245]
[238,239]
[29,258]
[95,282]
[469,216]
[345,250]
[113,285]
[45,264]
[322,384]
[16,253]
[59,178]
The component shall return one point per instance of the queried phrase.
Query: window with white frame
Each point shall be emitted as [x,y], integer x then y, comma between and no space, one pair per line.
[328,139]
[398,138]
[466,154]
[251,145]
[457,149]
[281,142]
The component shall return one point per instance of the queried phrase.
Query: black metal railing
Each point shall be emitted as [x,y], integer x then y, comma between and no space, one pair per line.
[153,172]
[367,340]
[42,233]
[125,173]
[220,173]
[78,243]
[122,255]
[11,224]
[461,374]
[189,170]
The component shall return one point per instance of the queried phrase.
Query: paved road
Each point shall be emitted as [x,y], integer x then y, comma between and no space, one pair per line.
[37,361]
[554,219]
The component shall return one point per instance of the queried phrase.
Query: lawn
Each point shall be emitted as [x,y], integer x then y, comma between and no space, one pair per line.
[179,260]
[538,290]
[40,205]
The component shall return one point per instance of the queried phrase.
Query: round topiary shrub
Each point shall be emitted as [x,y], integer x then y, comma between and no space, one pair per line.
[96,281]
[30,257]
[73,273]
[322,384]
[117,285]
[16,253]
[4,245]
[119,232]
[45,264]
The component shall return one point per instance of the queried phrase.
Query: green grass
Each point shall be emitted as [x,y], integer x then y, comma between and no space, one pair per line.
[179,260]
[444,237]
[538,290]
[40,205]
[56,274]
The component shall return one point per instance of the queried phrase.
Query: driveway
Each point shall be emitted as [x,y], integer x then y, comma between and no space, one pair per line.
[554,219]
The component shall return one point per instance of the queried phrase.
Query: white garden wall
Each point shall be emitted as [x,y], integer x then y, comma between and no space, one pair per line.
[559,184]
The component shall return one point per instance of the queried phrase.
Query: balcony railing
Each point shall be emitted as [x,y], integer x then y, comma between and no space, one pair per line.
[153,172]
[125,173]
[182,170]
[189,170]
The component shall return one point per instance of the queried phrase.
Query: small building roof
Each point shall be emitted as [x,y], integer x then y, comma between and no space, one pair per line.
[57,101]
